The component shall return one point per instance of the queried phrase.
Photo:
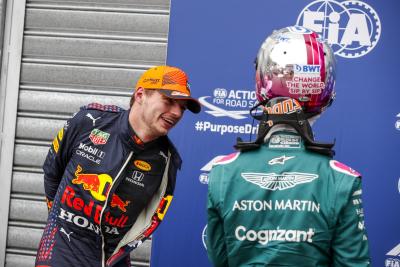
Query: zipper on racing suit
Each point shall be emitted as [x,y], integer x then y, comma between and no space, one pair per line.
[163,188]
[103,254]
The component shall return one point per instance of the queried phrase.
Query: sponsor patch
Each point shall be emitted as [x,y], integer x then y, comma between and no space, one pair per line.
[280,160]
[288,106]
[62,230]
[136,178]
[265,236]
[90,116]
[142,165]
[273,181]
[99,137]
[270,205]
[116,201]
[284,141]
[91,211]
[91,153]
[97,184]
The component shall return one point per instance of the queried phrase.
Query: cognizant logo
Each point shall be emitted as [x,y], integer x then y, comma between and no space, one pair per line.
[264,236]
[352,28]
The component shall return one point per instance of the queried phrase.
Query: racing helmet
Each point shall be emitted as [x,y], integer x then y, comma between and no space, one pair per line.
[294,62]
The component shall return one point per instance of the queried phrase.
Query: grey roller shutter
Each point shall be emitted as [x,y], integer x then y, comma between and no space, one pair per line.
[74,53]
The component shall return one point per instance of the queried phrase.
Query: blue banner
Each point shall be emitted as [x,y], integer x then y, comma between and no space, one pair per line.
[216,42]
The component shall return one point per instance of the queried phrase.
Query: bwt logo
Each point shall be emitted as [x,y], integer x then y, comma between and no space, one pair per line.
[309,69]
[352,28]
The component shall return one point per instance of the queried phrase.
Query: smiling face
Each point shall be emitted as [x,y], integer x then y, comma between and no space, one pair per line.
[153,114]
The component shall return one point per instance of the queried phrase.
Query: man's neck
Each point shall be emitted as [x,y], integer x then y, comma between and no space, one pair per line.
[140,129]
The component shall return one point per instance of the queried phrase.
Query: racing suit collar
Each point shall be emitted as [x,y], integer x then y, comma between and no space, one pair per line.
[284,139]
[131,139]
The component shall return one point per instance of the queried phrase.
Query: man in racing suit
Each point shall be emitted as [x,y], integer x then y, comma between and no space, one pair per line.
[282,200]
[110,174]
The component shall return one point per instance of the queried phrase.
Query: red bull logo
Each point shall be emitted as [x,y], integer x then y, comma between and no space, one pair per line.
[97,184]
[86,210]
[116,201]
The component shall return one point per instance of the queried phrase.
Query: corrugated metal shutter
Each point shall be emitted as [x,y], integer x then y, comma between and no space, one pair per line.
[74,53]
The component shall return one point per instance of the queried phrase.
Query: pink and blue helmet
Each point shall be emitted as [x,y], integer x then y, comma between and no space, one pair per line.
[294,62]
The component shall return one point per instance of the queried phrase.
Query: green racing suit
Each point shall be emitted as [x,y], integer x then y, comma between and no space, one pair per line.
[282,205]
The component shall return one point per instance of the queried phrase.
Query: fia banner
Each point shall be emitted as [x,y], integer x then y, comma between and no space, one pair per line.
[216,42]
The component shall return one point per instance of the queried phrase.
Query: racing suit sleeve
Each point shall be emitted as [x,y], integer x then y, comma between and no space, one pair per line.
[350,244]
[57,159]
[216,247]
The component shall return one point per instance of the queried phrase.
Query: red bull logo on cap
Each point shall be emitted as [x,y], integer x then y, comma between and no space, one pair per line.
[97,184]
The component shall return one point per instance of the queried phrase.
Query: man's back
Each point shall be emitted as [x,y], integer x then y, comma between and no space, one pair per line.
[281,205]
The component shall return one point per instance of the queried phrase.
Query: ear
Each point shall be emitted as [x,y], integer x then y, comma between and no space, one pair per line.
[139,95]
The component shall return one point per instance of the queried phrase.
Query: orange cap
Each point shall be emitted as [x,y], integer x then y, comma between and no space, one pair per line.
[171,82]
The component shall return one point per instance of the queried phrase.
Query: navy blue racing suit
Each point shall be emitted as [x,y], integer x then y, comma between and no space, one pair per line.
[108,191]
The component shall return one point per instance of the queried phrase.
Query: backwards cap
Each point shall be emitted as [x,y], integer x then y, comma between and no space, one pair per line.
[171,82]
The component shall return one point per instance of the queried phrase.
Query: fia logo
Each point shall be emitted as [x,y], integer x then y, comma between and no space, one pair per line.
[393,262]
[352,28]
[234,104]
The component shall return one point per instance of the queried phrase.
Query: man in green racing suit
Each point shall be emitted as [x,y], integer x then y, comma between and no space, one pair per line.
[286,202]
